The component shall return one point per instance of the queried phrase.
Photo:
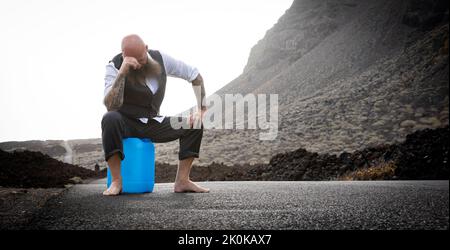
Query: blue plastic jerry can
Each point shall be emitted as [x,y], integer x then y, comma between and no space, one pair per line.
[138,166]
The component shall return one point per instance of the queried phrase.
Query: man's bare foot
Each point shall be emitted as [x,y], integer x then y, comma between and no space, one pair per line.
[114,189]
[189,186]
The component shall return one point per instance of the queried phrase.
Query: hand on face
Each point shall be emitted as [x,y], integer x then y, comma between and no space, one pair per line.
[129,63]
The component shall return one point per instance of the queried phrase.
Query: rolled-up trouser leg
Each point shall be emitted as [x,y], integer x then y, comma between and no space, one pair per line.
[190,143]
[113,130]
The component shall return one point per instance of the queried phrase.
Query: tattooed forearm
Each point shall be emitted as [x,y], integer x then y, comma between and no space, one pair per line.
[199,89]
[114,99]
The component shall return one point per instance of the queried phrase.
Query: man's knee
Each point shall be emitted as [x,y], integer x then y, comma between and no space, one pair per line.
[198,132]
[111,117]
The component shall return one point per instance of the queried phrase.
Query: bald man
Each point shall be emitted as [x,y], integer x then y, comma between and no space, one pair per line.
[135,83]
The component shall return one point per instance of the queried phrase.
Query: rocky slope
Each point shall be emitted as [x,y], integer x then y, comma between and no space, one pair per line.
[349,74]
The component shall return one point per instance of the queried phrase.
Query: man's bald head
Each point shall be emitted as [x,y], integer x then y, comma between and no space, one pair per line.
[134,46]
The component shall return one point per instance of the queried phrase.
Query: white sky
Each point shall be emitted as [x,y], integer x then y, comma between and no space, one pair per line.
[54,55]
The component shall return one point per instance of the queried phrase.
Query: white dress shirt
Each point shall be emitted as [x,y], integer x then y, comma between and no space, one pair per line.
[174,68]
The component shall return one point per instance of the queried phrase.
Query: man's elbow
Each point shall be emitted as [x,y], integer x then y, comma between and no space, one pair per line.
[198,80]
[108,103]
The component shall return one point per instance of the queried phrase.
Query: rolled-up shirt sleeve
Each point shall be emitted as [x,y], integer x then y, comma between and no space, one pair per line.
[179,69]
[110,76]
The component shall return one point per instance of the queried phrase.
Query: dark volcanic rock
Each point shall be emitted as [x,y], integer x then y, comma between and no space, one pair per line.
[423,155]
[30,169]
[426,14]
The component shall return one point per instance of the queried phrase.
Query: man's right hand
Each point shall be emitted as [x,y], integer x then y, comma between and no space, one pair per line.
[129,63]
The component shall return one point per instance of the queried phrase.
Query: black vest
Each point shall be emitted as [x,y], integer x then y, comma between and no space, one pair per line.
[138,100]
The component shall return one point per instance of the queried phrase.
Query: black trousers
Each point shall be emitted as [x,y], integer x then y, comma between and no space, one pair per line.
[116,126]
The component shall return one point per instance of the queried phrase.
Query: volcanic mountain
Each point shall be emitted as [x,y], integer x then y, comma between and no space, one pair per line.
[349,74]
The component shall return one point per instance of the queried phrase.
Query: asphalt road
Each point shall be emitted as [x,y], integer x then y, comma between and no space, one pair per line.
[255,205]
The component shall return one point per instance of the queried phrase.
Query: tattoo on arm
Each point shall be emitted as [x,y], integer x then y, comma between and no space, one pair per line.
[199,82]
[114,99]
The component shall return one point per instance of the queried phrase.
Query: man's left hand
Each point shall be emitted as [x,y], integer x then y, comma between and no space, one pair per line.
[196,119]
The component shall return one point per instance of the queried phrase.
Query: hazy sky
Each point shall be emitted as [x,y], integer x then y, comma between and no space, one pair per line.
[54,55]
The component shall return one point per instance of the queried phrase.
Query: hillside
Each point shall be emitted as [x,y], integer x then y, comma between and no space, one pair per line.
[349,74]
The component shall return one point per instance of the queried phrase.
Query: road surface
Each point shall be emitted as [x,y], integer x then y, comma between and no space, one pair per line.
[255,205]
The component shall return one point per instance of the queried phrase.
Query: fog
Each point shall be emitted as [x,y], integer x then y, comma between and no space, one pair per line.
[55,52]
